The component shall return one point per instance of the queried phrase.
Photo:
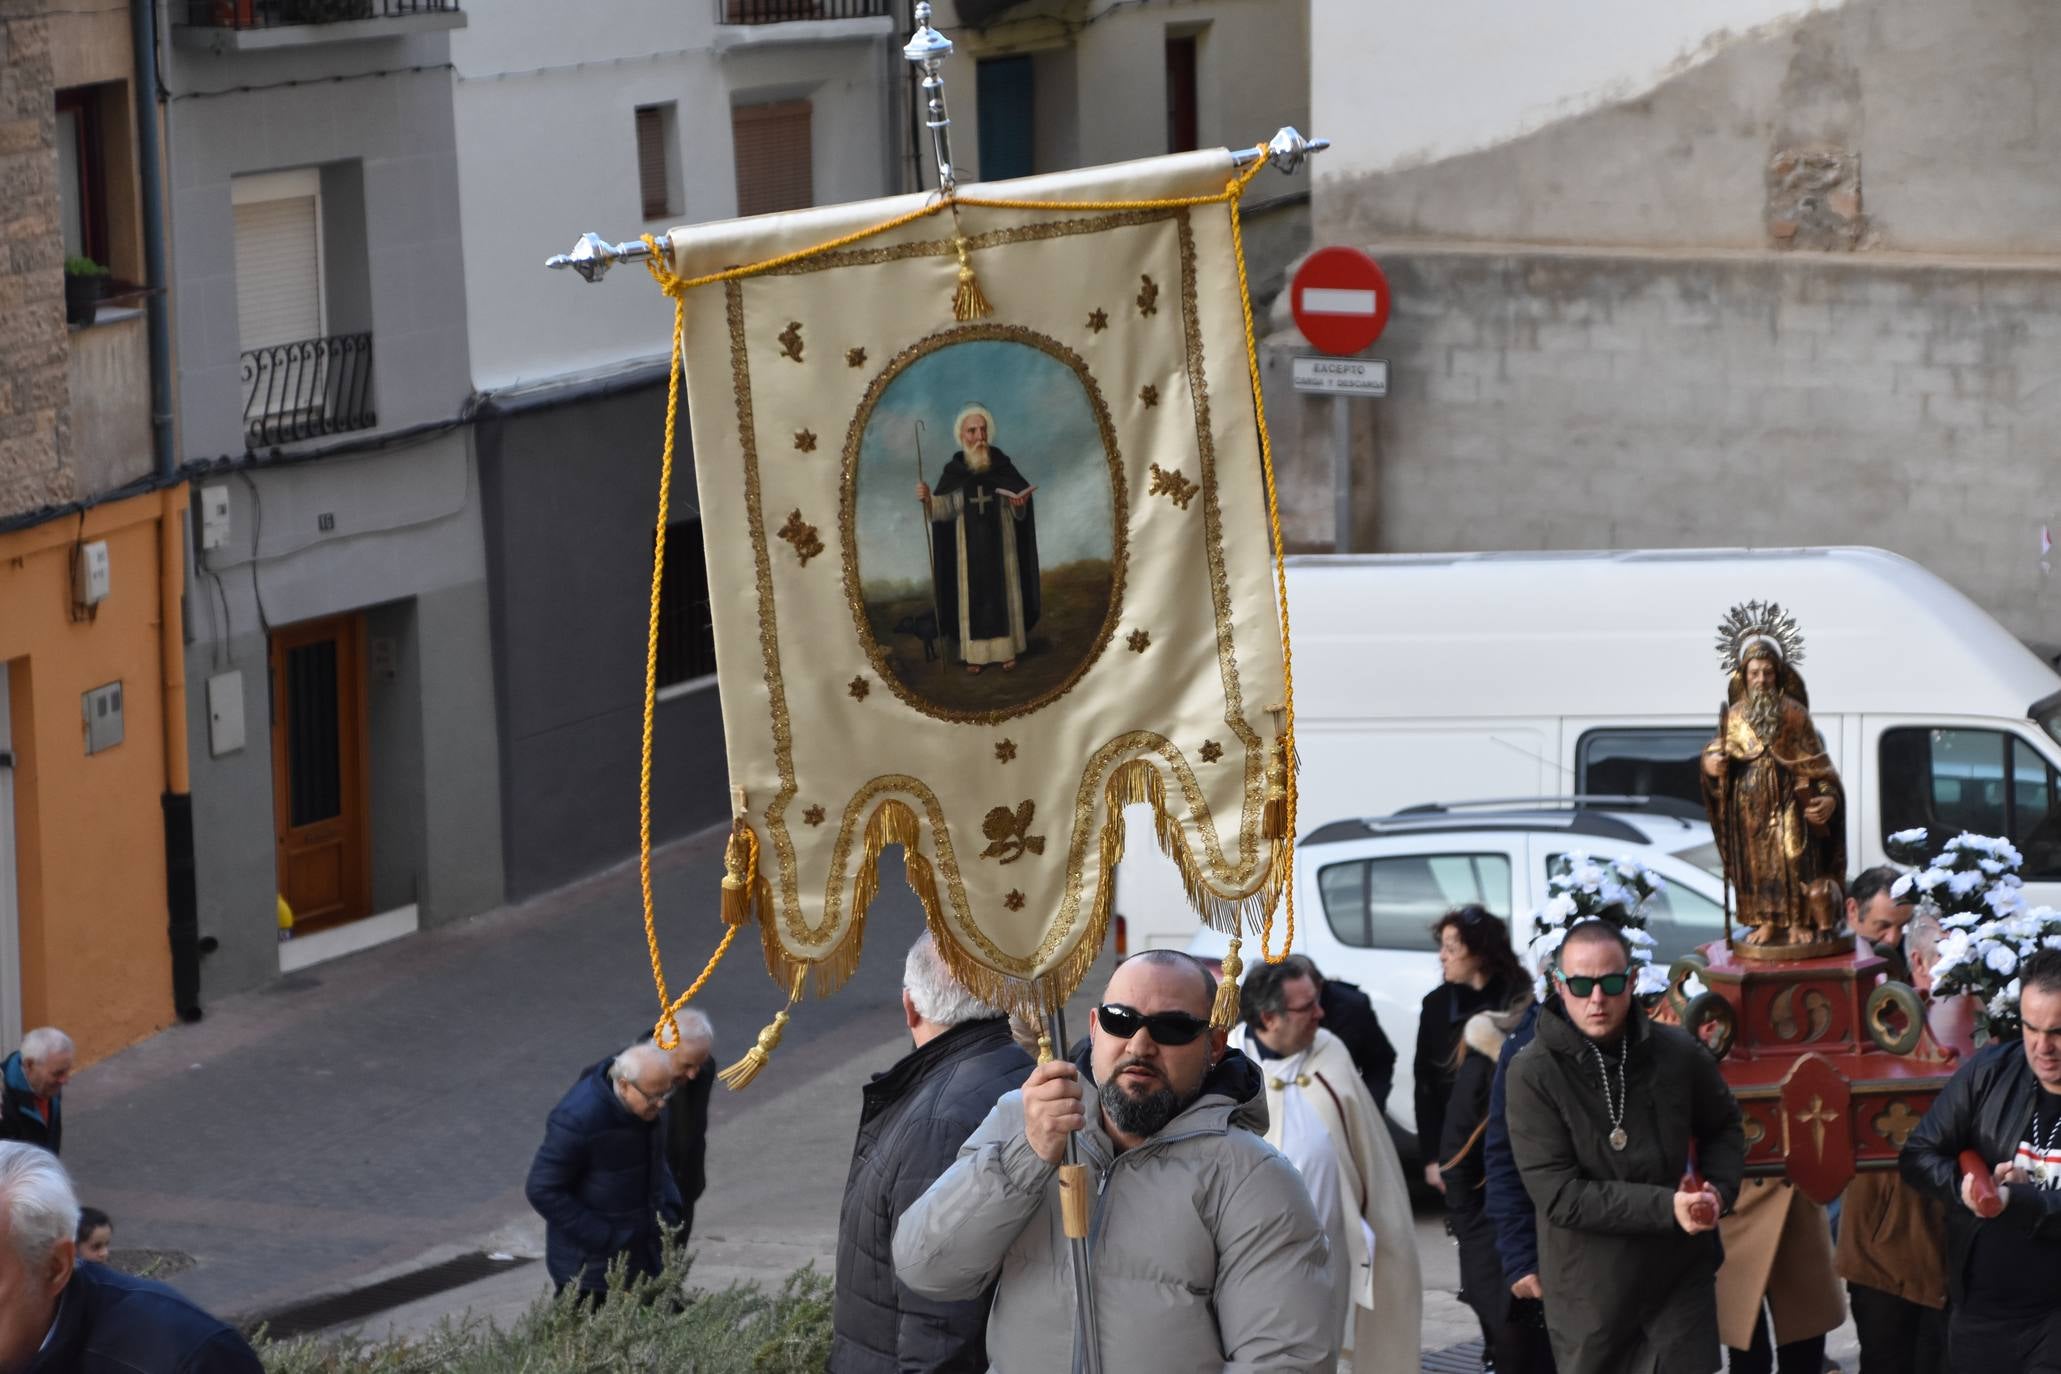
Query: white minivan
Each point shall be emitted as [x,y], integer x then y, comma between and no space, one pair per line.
[1442,676]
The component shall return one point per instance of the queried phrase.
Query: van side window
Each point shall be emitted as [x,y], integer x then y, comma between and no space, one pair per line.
[1640,763]
[1390,903]
[1990,782]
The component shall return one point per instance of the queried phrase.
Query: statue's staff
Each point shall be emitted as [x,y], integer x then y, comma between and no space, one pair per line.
[930,549]
[1724,809]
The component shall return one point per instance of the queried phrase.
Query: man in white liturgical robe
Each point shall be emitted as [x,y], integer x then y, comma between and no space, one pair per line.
[1320,1116]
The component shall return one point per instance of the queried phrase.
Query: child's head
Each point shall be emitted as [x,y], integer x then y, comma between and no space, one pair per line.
[96,1234]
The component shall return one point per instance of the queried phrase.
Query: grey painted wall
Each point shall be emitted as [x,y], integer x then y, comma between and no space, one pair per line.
[1552,400]
[405,547]
[569,496]
[384,139]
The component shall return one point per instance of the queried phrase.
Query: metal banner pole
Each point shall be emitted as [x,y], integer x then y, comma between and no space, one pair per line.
[1076,1210]
[1342,474]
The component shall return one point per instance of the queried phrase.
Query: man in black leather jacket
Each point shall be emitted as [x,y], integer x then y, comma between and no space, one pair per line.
[2003,1274]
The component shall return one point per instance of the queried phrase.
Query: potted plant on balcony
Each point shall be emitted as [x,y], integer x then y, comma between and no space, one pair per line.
[84,280]
[325,11]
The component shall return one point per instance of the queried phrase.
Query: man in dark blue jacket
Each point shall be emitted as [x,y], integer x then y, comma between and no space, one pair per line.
[32,1089]
[915,1118]
[62,1316]
[600,1179]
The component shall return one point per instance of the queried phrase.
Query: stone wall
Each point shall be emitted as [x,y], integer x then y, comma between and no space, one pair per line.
[1565,399]
[34,385]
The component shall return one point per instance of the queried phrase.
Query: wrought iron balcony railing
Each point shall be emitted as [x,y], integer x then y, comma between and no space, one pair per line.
[307,389]
[267,14]
[782,11]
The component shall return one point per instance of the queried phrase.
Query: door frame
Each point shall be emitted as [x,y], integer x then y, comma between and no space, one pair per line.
[10,876]
[353,762]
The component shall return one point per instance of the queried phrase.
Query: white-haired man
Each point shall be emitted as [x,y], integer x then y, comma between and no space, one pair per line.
[685,1122]
[31,1108]
[600,1179]
[59,1315]
[912,1122]
[986,550]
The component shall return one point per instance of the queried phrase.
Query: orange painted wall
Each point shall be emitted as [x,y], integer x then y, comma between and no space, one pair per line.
[89,831]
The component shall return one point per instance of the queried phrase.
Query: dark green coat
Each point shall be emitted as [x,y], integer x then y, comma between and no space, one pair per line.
[1627,1292]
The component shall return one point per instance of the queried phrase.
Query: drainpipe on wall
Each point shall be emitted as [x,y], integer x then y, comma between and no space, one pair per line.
[182,903]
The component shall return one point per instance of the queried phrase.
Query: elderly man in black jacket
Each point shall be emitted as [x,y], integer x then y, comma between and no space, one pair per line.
[2003,1274]
[600,1179]
[63,1315]
[914,1119]
[1603,1108]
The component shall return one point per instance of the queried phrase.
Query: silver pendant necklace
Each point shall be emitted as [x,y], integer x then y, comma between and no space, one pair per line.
[1615,1107]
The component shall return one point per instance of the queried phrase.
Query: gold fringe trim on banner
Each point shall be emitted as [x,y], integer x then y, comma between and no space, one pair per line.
[894,822]
[739,1075]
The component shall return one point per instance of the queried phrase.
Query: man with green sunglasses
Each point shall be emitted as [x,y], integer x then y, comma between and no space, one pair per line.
[1606,1113]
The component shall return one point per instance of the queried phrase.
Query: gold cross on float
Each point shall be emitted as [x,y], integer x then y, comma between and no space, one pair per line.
[1817,1118]
[1897,1123]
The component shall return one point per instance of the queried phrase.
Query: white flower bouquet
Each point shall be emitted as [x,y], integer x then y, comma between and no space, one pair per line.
[1972,887]
[1586,889]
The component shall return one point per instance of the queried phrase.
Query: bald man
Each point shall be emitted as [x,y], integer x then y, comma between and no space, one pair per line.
[1207,1253]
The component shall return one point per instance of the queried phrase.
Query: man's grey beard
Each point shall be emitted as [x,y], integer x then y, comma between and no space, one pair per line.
[1763,712]
[1148,1113]
[978,458]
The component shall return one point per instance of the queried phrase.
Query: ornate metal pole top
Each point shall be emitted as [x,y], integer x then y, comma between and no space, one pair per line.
[928,49]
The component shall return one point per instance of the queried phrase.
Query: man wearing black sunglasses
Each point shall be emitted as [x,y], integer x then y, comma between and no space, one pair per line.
[1207,1253]
[1604,1108]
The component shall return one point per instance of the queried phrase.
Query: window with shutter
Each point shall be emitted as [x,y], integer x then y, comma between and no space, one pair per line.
[657,157]
[775,170]
[278,258]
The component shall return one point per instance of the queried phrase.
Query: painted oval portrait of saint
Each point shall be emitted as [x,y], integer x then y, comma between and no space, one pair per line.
[983,549]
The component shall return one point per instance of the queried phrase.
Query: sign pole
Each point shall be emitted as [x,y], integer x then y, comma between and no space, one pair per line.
[1342,474]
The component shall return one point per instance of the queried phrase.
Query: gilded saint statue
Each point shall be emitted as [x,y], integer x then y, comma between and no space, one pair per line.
[1775,802]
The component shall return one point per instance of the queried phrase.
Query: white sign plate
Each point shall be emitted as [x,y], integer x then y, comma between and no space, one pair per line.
[1342,376]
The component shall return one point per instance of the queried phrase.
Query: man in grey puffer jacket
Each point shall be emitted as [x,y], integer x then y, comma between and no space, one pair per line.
[1206,1253]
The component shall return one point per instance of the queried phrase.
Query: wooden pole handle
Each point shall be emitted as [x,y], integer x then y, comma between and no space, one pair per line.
[1982,1183]
[1074,1204]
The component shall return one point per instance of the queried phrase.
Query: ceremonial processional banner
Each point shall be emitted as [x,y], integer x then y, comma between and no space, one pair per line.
[987,528]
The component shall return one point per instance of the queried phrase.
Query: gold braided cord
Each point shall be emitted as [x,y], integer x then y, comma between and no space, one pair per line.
[1259,406]
[842,960]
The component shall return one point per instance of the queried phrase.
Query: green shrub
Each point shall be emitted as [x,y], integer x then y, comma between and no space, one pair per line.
[647,1326]
[76,266]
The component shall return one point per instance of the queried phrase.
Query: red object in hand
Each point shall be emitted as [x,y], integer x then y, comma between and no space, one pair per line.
[1982,1183]
[1705,1212]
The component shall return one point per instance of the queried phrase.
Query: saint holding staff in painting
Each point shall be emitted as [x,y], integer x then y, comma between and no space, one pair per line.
[984,554]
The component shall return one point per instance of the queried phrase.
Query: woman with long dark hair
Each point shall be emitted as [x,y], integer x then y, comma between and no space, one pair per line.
[1482,973]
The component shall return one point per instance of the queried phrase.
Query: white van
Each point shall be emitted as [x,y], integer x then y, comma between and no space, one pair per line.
[1424,678]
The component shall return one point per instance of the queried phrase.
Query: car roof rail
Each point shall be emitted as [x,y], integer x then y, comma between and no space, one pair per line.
[1593,801]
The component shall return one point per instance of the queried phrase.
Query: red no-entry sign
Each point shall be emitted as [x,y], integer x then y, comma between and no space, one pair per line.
[1340,300]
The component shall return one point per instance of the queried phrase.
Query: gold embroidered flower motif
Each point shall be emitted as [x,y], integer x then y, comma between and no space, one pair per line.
[1008,833]
[1098,320]
[1211,751]
[791,340]
[1174,485]
[855,357]
[1139,641]
[802,535]
[805,440]
[1148,296]
[1149,394]
[858,687]
[813,816]
[1005,751]
[1014,901]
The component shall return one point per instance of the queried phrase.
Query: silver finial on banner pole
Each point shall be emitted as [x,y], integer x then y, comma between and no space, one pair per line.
[1286,150]
[928,49]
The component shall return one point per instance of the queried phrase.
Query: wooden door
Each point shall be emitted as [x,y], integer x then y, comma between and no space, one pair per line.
[318,770]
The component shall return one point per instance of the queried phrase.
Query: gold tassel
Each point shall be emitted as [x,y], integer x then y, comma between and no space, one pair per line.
[739,1075]
[1224,1014]
[968,303]
[740,873]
